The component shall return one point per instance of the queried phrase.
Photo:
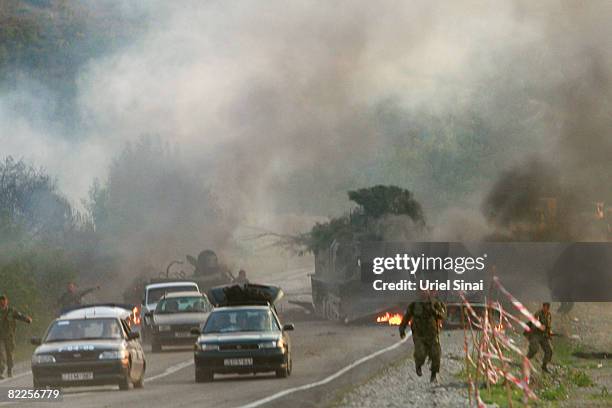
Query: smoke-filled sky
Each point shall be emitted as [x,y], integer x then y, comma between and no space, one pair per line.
[286,105]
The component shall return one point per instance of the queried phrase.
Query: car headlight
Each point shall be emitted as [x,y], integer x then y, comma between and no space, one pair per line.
[113,355]
[163,327]
[42,359]
[207,347]
[272,344]
[267,345]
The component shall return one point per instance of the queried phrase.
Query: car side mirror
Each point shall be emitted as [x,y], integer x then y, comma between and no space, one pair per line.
[37,341]
[195,331]
[289,327]
[133,335]
[149,314]
[142,302]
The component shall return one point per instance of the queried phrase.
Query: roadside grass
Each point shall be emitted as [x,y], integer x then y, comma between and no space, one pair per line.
[23,352]
[603,396]
[568,374]
[23,347]
[498,394]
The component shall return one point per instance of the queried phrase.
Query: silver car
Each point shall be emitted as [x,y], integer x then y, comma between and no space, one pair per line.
[175,315]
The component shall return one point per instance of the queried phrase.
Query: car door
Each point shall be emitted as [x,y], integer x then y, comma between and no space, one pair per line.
[141,357]
[285,335]
[136,355]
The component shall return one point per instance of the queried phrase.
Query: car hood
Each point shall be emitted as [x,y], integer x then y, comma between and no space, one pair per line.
[244,294]
[180,318]
[242,337]
[79,345]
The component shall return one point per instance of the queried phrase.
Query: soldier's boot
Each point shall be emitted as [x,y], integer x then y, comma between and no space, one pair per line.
[9,372]
[433,378]
[419,371]
[545,368]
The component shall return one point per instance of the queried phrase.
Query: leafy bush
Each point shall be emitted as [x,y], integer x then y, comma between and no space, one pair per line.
[364,223]
[381,200]
[556,393]
[580,378]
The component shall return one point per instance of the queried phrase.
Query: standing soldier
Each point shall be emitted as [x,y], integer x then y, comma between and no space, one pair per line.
[541,337]
[8,316]
[242,278]
[71,297]
[425,318]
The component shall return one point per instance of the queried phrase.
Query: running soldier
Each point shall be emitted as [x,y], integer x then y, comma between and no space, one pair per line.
[425,318]
[541,337]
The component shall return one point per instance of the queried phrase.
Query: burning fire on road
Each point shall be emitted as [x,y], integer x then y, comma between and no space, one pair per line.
[393,319]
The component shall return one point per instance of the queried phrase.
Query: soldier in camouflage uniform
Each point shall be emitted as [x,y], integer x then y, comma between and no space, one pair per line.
[241,279]
[72,297]
[425,318]
[541,338]
[8,317]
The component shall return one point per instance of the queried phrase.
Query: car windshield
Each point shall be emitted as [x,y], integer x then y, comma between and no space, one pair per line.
[155,294]
[187,304]
[227,321]
[83,329]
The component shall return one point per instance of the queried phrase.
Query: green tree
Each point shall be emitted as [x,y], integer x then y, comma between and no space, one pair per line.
[29,198]
[369,220]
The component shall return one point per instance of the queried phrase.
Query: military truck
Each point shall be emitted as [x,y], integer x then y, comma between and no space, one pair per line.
[343,249]
[342,282]
[339,284]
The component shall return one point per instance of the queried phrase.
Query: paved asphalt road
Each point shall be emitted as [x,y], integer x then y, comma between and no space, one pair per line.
[320,350]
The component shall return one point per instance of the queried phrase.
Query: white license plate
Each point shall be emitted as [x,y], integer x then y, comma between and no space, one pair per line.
[238,362]
[77,376]
[182,334]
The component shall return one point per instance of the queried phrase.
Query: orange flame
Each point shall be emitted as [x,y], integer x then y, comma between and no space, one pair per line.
[136,312]
[393,319]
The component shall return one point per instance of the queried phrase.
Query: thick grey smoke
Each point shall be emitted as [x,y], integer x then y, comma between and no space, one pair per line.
[519,191]
[282,106]
[574,91]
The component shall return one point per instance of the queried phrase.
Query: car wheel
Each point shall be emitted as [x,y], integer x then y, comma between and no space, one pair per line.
[204,375]
[155,346]
[139,383]
[286,371]
[37,384]
[124,385]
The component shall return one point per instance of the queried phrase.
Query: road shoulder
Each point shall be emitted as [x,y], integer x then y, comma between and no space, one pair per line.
[397,384]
